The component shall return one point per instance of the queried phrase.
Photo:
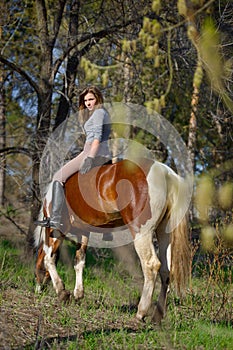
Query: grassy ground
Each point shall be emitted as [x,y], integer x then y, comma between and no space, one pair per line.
[105,319]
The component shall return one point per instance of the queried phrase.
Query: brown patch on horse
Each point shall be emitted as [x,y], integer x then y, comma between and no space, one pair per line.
[133,199]
[110,196]
[40,269]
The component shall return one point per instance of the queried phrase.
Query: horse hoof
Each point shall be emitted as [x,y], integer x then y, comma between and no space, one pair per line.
[38,289]
[157,317]
[64,296]
[78,295]
[140,318]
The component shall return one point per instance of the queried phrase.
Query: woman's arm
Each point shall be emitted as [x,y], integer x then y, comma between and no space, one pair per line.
[88,162]
[98,120]
[94,148]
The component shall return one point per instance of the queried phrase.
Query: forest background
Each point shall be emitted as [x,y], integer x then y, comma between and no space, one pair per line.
[174,57]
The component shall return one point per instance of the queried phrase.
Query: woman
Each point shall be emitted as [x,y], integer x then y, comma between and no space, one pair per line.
[97,129]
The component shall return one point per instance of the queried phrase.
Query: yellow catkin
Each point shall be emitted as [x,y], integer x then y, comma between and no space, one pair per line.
[156,48]
[207,238]
[146,24]
[155,27]
[162,101]
[198,76]
[182,8]
[204,196]
[134,45]
[156,5]
[125,46]
[149,50]
[105,78]
[225,195]
[157,105]
[228,233]
[156,61]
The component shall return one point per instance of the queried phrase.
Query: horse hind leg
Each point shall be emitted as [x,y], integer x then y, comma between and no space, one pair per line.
[150,266]
[165,259]
[79,264]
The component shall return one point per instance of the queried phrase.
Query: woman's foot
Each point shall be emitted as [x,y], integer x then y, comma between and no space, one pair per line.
[43,223]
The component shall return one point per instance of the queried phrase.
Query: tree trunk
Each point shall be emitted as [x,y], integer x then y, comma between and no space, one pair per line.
[71,69]
[127,79]
[44,113]
[2,135]
[2,121]
[192,137]
[188,11]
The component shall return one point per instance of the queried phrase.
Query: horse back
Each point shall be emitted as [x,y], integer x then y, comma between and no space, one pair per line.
[110,195]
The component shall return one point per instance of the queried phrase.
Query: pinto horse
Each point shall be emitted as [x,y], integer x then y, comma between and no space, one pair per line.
[145,197]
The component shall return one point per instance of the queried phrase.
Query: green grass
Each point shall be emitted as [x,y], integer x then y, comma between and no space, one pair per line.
[206,335]
[15,269]
[105,318]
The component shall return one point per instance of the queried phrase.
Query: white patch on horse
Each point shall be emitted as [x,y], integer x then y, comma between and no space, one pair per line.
[39,235]
[157,189]
[47,250]
[169,258]
[150,266]
[50,265]
[78,289]
[38,288]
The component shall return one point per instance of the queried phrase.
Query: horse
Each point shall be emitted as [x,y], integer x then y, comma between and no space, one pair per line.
[146,198]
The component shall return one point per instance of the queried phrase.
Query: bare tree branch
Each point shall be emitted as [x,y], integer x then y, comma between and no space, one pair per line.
[15,150]
[14,223]
[22,72]
[92,38]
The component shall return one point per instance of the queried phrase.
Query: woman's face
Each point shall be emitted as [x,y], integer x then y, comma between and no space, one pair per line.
[90,101]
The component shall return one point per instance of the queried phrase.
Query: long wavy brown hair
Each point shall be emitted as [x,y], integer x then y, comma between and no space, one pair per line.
[83,111]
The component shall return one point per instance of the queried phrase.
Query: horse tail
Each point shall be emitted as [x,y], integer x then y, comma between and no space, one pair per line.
[180,257]
[39,232]
[179,228]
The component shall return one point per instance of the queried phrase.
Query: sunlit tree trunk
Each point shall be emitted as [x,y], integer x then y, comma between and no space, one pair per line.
[127,81]
[192,136]
[188,10]
[126,99]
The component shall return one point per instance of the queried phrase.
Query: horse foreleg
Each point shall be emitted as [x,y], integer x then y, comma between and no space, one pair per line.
[150,267]
[79,264]
[50,248]
[42,275]
[165,258]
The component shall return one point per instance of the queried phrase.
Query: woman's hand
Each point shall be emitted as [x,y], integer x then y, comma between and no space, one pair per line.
[87,165]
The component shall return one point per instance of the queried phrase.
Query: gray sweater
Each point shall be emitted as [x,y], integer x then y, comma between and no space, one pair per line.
[98,127]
